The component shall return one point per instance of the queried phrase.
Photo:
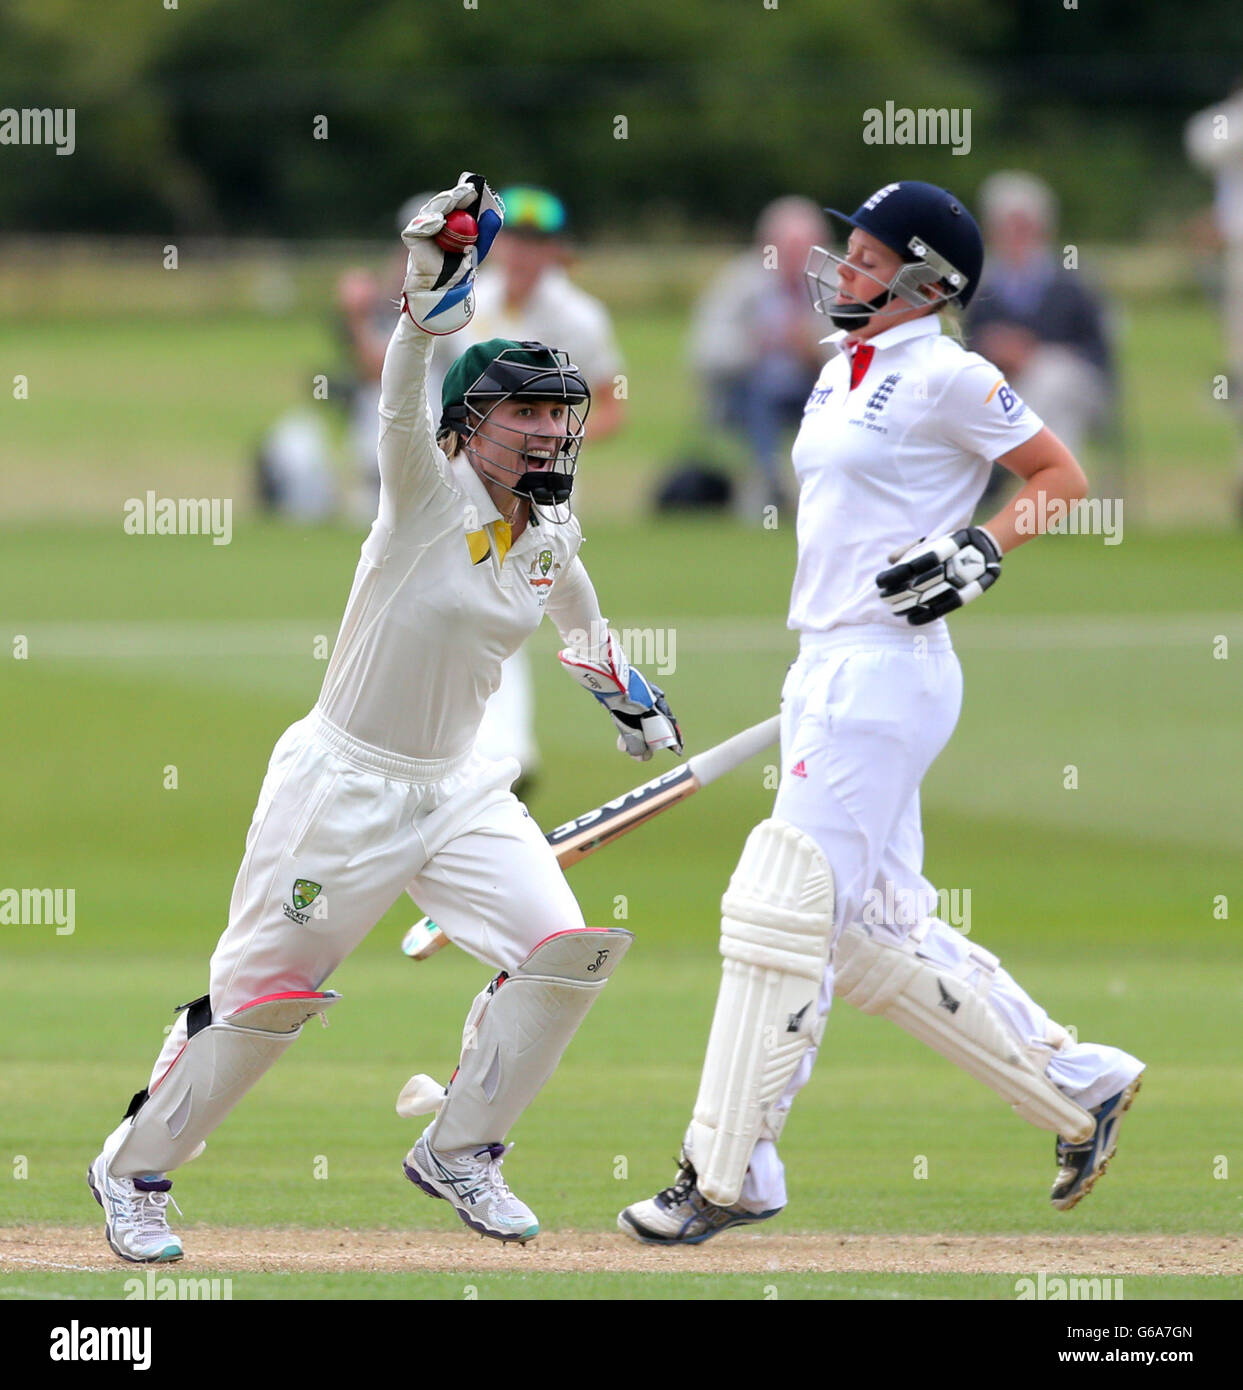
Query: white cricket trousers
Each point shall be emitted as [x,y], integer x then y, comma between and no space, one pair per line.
[341,830]
[865,711]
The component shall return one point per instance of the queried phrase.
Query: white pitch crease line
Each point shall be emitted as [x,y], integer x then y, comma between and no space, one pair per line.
[52,1264]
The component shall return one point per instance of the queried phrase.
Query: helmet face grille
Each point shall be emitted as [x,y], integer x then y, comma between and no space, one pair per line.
[543,465]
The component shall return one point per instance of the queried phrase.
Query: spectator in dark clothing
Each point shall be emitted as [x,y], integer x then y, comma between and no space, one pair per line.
[1035,318]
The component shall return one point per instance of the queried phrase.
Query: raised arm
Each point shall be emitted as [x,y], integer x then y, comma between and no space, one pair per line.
[437,299]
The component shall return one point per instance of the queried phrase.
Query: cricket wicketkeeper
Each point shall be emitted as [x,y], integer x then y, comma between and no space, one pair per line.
[380,789]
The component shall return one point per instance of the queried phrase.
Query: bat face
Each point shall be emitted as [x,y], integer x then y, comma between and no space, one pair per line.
[580,837]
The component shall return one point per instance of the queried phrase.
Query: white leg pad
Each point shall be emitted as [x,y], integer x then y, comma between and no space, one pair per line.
[776,934]
[941,1008]
[221,1061]
[517,1030]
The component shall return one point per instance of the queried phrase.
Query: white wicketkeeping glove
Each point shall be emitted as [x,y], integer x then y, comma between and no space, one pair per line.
[439,286]
[639,709]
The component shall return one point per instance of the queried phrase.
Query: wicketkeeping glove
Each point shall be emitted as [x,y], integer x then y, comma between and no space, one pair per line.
[935,577]
[439,286]
[639,709]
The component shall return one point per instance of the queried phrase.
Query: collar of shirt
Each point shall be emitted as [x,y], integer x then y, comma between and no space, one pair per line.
[493,531]
[926,327]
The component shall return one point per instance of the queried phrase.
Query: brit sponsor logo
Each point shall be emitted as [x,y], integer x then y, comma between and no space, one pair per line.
[1008,399]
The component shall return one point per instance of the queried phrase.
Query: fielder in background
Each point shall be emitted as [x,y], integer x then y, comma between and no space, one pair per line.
[898,437]
[380,788]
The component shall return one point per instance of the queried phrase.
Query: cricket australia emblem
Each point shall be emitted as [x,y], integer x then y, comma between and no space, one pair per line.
[542,572]
[304,894]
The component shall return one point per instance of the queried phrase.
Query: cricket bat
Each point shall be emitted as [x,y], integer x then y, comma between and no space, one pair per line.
[594,829]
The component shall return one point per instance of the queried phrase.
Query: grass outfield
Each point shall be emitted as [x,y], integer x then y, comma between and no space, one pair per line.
[119,405]
[150,652]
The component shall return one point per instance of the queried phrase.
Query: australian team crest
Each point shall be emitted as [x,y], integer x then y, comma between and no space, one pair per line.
[304,893]
[543,568]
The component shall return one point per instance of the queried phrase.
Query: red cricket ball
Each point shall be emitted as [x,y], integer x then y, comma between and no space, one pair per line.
[460,231]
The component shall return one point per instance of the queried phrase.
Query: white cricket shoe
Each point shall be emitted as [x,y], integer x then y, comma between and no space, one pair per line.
[135,1214]
[471,1179]
[682,1215]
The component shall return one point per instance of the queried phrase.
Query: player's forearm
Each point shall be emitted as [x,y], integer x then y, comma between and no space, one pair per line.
[1059,479]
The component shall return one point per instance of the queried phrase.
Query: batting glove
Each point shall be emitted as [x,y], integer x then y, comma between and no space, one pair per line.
[644,720]
[933,578]
[439,287]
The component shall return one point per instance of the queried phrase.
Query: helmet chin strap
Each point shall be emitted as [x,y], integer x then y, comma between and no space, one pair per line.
[537,487]
[847,319]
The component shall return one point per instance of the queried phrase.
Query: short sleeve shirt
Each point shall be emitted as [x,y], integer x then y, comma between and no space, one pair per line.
[895,445]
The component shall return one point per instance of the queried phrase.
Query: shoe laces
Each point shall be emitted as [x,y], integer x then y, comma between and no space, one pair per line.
[681,1189]
[490,1174]
[150,1212]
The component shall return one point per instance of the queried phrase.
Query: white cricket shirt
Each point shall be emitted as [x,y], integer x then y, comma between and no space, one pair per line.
[440,597]
[902,453]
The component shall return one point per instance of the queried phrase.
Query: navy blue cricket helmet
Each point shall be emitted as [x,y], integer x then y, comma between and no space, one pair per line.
[929,228]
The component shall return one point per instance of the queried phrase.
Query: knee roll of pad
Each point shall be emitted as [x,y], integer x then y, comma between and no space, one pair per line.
[776,934]
[221,1061]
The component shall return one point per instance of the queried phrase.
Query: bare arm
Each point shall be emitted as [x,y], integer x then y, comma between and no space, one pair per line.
[1048,469]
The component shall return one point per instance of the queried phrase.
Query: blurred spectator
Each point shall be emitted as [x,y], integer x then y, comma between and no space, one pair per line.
[295,473]
[525,293]
[1036,319]
[1214,140]
[755,339]
[368,312]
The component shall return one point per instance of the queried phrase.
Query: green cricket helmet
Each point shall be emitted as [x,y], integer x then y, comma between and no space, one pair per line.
[499,370]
